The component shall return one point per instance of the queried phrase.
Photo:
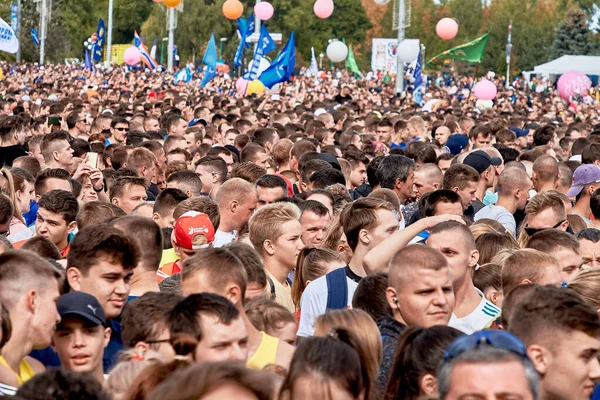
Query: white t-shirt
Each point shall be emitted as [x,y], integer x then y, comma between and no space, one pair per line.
[500,214]
[314,301]
[479,319]
[223,238]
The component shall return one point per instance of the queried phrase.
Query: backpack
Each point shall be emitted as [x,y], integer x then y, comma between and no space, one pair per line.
[337,289]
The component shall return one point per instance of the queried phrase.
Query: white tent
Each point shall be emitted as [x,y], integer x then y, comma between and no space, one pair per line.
[589,65]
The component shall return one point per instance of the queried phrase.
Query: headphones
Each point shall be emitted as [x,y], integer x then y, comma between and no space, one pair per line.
[395,300]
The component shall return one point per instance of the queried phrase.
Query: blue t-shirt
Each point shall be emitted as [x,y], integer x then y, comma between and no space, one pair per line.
[31,216]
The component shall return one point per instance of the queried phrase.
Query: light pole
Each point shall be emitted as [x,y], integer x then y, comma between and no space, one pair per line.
[400,65]
[221,41]
[321,60]
[171,46]
[18,32]
[43,26]
[109,34]
[162,50]
[423,48]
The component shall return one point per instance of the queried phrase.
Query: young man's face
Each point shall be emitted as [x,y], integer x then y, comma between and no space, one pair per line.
[314,228]
[80,344]
[54,227]
[261,159]
[444,165]
[269,195]
[65,154]
[590,252]
[425,297]
[288,245]
[468,194]
[453,246]
[405,188]
[107,282]
[120,131]
[572,367]
[358,175]
[45,316]
[482,141]
[222,342]
[207,177]
[246,208]
[133,196]
[570,262]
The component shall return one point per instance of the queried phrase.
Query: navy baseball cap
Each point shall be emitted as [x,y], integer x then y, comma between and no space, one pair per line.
[331,159]
[83,305]
[480,160]
[520,132]
[197,121]
[456,143]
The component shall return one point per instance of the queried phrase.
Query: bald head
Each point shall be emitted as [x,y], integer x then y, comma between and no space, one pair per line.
[414,258]
[512,179]
[545,170]
[428,178]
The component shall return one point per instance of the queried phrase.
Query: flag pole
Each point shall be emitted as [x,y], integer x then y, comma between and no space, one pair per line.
[508,51]
[474,78]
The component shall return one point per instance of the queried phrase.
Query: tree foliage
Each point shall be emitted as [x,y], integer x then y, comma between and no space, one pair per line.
[572,36]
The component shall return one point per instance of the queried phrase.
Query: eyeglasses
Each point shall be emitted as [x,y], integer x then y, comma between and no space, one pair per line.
[498,339]
[158,341]
[532,231]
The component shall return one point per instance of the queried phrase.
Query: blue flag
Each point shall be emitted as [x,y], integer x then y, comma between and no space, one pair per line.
[208,76]
[283,65]
[34,37]
[89,64]
[245,28]
[184,75]
[418,86]
[210,59]
[97,47]
[250,26]
[264,46]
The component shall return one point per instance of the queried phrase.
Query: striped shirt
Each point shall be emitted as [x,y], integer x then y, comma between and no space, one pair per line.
[481,317]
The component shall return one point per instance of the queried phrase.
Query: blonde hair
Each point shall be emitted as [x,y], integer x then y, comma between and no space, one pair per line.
[312,263]
[128,368]
[525,264]
[7,186]
[486,225]
[268,316]
[267,221]
[364,329]
[140,157]
[587,284]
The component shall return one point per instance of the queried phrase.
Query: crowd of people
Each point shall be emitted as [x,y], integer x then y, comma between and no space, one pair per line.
[328,241]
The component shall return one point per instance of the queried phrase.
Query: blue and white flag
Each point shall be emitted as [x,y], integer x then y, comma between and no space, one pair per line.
[100,38]
[8,40]
[146,58]
[418,86]
[245,29]
[282,68]
[264,46]
[184,75]
[313,70]
[89,64]
[34,37]
[210,59]
[154,47]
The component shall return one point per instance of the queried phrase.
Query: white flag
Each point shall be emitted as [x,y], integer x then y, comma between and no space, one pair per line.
[313,70]
[8,40]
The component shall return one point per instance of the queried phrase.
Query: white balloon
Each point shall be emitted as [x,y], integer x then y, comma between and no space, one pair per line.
[264,64]
[382,2]
[337,51]
[408,51]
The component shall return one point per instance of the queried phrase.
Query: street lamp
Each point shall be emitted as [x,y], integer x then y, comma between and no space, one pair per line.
[221,41]
[423,48]
[321,60]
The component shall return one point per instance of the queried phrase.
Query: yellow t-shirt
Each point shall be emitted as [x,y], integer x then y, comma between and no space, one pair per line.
[265,354]
[168,256]
[283,294]
[25,370]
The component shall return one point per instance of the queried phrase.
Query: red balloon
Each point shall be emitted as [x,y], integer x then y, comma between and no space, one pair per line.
[171,3]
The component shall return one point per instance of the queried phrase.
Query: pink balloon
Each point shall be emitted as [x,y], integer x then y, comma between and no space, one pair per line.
[264,10]
[241,85]
[573,81]
[485,90]
[446,28]
[132,56]
[323,8]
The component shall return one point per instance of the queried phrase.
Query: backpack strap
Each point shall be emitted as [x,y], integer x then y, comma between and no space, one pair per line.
[337,289]
[272,287]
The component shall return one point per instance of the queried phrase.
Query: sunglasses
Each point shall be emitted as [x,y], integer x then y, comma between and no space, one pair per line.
[121,129]
[532,231]
[498,339]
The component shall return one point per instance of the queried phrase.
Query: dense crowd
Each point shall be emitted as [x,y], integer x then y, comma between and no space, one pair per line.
[326,240]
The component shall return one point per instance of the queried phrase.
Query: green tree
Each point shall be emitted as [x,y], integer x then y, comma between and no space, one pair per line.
[573,36]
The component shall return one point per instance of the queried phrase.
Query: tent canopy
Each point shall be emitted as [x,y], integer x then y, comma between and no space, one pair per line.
[588,65]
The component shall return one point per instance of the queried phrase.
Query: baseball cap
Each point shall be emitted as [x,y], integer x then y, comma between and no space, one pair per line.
[197,121]
[480,160]
[520,132]
[456,143]
[83,305]
[193,225]
[584,175]
[331,159]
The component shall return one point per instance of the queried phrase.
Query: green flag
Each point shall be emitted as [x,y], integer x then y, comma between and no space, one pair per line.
[351,62]
[471,52]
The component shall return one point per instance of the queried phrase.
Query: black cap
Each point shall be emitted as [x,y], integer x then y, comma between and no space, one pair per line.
[83,305]
[331,159]
[480,160]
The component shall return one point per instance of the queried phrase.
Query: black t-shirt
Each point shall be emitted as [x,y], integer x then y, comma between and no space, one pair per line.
[343,99]
[11,153]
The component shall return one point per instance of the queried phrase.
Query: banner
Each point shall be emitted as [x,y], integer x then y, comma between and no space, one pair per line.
[8,40]
[471,52]
[384,55]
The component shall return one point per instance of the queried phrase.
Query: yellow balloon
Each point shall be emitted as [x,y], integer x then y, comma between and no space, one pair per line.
[255,86]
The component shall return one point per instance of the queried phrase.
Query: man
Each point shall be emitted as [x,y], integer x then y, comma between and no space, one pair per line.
[165,204]
[472,311]
[237,200]
[148,238]
[270,189]
[101,263]
[215,323]
[528,266]
[464,180]
[589,247]
[78,125]
[513,192]
[192,231]
[29,289]
[144,323]
[81,335]
[212,171]
[508,373]
[366,223]
[276,235]
[151,124]
[562,335]
[428,178]
[193,138]
[225,154]
[358,163]
[186,181]
[266,137]
[57,151]
[562,246]
[545,210]
[480,136]
[486,167]
[384,132]
[55,219]
[255,154]
[119,127]
[176,125]
[397,173]
[420,295]
[220,271]
[586,179]
[143,161]
[128,192]
[545,173]
[315,220]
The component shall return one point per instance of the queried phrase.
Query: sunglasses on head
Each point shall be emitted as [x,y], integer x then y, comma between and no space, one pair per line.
[498,339]
[532,231]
